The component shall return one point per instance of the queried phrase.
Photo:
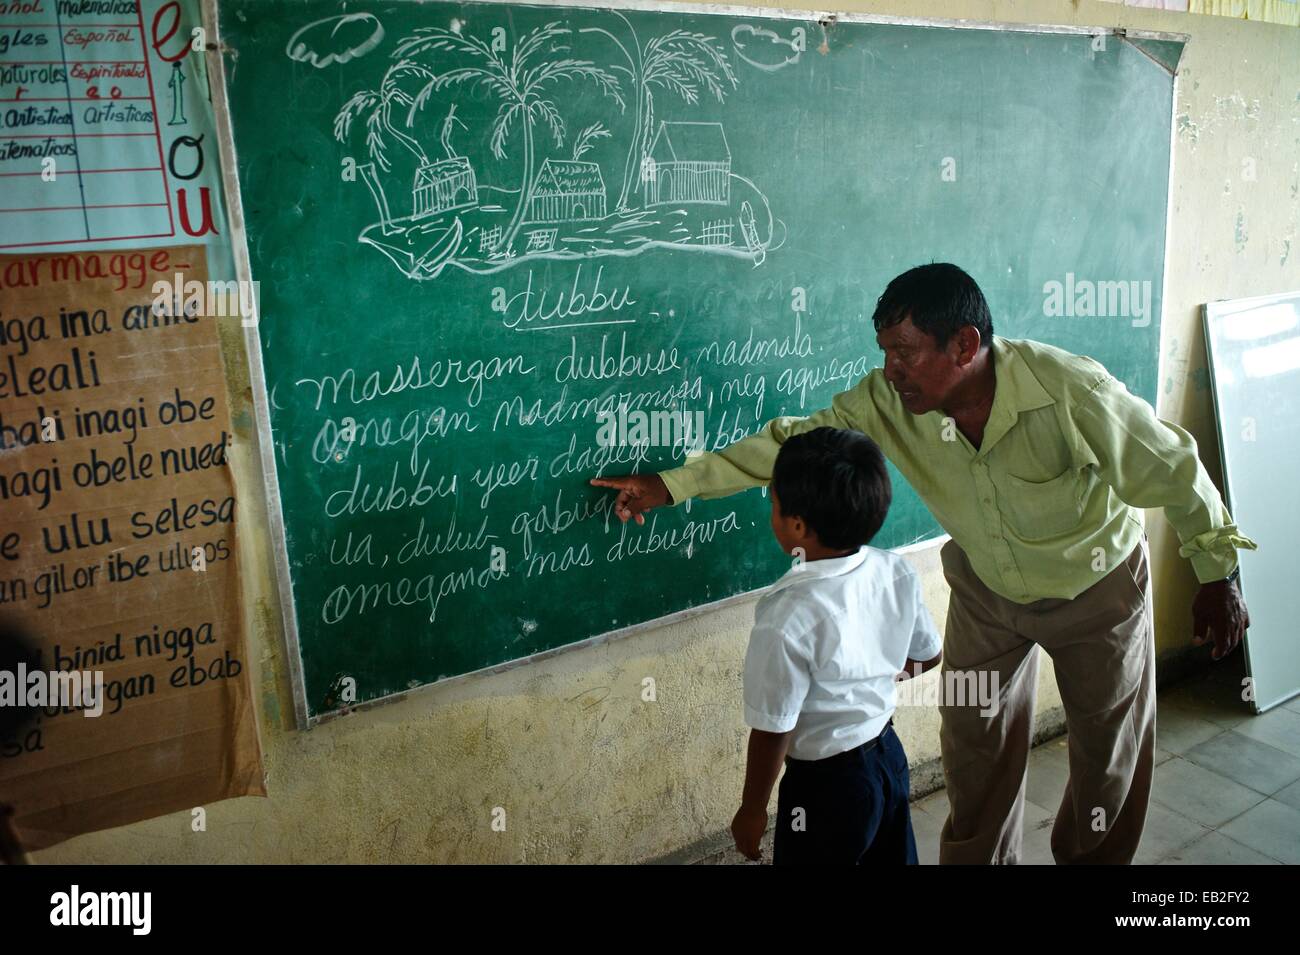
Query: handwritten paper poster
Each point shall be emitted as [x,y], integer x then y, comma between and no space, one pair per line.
[117,547]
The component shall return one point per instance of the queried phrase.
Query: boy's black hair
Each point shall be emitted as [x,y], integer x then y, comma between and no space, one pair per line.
[939,298]
[837,482]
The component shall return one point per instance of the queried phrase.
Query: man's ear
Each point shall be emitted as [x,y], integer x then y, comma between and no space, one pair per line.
[967,343]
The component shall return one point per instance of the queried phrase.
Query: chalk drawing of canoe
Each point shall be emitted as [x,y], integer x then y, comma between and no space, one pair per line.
[420,251]
[443,250]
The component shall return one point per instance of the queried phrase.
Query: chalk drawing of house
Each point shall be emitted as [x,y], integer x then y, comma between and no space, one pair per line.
[567,190]
[446,184]
[688,162]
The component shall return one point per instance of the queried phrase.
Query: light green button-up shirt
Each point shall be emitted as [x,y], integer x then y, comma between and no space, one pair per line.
[1046,506]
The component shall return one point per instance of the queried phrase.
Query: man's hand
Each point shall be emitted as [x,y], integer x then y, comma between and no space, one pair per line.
[1219,614]
[748,828]
[637,493]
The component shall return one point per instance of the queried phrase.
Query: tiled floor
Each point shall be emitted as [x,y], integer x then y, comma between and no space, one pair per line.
[1226,789]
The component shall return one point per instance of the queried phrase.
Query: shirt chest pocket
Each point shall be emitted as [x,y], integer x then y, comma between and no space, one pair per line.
[1038,510]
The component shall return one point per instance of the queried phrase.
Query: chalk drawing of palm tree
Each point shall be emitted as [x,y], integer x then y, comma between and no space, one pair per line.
[521,82]
[680,62]
[377,108]
[583,142]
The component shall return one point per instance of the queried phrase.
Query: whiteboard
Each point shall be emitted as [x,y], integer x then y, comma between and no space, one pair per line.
[1254,346]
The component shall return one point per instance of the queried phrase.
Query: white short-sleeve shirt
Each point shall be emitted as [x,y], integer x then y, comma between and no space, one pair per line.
[829,639]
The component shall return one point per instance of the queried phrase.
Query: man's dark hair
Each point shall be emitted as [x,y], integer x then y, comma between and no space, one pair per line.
[837,482]
[939,298]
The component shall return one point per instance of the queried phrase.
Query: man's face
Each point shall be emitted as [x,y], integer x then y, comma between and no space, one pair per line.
[922,373]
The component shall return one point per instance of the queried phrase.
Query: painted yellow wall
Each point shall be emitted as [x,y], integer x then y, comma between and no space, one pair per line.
[585,770]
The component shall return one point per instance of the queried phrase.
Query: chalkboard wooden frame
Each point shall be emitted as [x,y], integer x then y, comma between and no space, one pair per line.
[261,400]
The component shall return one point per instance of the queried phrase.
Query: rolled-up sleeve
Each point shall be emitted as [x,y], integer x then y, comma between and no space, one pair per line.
[748,463]
[1151,463]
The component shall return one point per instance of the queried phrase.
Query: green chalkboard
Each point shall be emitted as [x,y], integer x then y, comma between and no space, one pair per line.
[476,226]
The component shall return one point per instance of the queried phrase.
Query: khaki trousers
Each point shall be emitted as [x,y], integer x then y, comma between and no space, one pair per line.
[1103,650]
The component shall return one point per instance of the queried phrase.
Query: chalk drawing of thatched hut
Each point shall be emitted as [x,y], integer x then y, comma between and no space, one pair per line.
[446,184]
[567,190]
[688,162]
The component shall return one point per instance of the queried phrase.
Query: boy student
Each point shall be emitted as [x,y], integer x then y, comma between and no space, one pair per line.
[1037,462]
[829,641]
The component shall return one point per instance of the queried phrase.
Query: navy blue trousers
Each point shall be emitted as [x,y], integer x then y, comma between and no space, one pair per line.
[847,809]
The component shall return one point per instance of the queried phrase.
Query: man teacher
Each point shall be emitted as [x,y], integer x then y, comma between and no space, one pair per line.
[1034,460]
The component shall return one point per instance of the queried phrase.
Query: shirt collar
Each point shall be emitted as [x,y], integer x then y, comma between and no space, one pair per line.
[1017,387]
[821,569]
[1016,390]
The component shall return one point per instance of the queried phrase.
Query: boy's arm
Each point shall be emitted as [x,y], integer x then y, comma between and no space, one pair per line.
[925,650]
[777,676]
[917,667]
[762,767]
